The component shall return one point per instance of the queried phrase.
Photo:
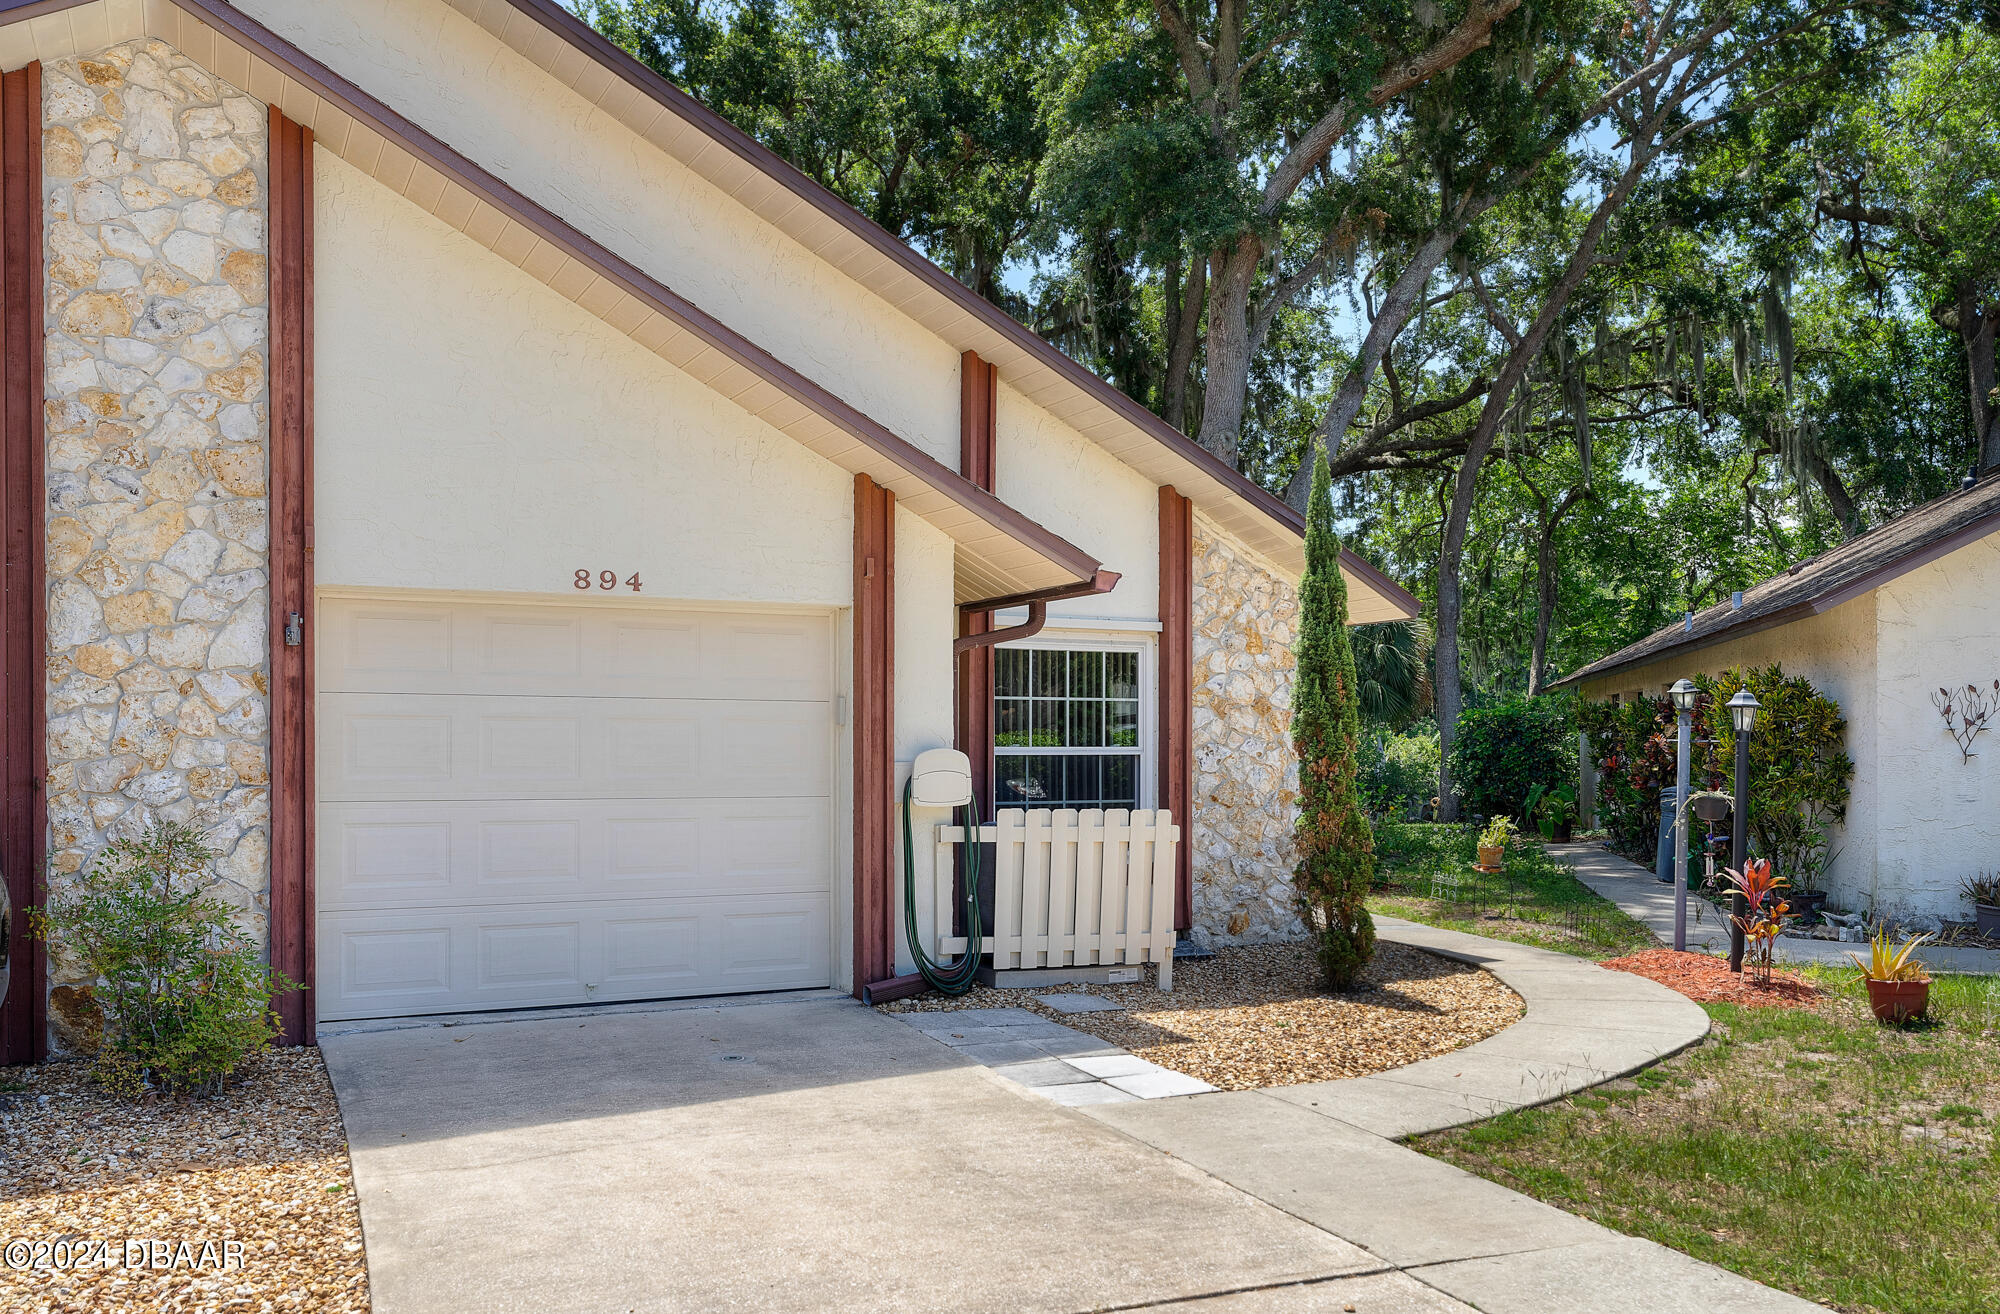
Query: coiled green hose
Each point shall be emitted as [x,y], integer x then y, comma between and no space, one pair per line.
[957,978]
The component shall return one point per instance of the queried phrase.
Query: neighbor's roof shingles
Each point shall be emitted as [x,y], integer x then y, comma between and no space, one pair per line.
[1822,583]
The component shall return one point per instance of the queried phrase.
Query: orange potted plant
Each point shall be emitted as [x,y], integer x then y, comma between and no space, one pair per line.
[1493,842]
[1898,986]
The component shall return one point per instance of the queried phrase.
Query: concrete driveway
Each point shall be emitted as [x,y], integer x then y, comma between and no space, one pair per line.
[796,1154]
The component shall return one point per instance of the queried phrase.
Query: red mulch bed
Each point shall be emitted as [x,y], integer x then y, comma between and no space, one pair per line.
[1708,980]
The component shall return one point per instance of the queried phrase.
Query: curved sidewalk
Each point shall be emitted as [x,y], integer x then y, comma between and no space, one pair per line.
[1326,1152]
[1583,1025]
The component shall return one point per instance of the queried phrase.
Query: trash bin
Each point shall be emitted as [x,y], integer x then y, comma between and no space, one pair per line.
[1663,855]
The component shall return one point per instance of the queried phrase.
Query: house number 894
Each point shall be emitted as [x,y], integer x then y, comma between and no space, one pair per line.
[605,580]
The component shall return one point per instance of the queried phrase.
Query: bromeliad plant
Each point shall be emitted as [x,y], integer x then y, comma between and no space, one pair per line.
[1891,963]
[1765,913]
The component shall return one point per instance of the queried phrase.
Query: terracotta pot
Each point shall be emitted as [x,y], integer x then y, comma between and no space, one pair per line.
[1898,1001]
[1490,854]
[1988,918]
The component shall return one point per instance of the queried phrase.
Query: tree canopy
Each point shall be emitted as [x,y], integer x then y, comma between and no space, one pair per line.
[1598,309]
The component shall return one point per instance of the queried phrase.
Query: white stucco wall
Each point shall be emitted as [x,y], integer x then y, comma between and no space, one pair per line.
[1062,480]
[448,75]
[1937,626]
[925,627]
[1837,652]
[477,431]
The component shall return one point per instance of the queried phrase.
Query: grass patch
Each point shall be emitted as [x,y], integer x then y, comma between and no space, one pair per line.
[1809,1148]
[1426,873]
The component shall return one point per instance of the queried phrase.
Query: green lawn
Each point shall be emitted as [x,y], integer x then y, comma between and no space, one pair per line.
[1809,1148]
[1425,873]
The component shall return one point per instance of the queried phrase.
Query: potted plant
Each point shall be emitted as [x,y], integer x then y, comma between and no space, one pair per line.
[1493,841]
[1554,812]
[1984,891]
[1898,986]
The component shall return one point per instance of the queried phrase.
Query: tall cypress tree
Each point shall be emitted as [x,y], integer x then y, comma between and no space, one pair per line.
[1336,847]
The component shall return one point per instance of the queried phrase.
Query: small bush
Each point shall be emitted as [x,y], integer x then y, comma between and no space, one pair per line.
[186,1000]
[1399,773]
[1502,752]
[1634,746]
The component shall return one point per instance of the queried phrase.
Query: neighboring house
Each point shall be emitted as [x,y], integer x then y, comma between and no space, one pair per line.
[527,524]
[1880,624]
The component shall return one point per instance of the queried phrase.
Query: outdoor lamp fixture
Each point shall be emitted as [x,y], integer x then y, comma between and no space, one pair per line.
[1683,695]
[1743,710]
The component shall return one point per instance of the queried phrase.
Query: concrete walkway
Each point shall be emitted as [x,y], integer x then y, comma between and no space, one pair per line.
[1324,1152]
[807,1153]
[787,1156]
[1643,896]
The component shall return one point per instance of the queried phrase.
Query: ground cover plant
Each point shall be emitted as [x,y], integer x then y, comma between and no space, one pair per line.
[1810,1148]
[1427,874]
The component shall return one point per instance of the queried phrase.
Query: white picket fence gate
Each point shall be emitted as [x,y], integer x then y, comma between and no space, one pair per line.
[1072,888]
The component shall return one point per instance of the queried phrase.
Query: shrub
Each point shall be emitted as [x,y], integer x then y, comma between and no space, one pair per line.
[1799,768]
[1399,773]
[1633,747]
[1502,752]
[1336,847]
[186,1000]
[1799,772]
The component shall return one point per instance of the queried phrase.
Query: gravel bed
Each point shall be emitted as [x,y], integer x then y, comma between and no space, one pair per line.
[1256,1016]
[263,1164]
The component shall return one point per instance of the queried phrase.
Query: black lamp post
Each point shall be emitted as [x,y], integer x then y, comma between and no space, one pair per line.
[1743,715]
[1684,695]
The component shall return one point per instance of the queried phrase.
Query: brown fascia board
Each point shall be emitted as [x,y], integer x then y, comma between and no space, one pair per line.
[1797,611]
[1818,605]
[587,41]
[552,228]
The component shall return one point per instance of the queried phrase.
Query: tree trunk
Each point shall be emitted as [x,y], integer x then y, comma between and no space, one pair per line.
[1395,311]
[1450,698]
[1978,328]
[1187,333]
[1545,606]
[1228,378]
[1835,490]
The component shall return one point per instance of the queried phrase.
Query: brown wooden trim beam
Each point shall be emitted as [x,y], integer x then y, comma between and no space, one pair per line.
[874,732]
[978,452]
[24,825]
[1176,686]
[292,803]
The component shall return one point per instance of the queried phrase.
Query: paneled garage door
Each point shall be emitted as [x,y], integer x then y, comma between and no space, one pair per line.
[523,805]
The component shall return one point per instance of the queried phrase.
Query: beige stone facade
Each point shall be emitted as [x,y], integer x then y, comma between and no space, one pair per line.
[157,425]
[1246,777]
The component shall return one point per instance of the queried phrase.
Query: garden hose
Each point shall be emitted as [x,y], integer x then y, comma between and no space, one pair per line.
[958,977]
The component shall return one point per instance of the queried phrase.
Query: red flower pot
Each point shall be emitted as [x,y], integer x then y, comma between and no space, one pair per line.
[1898,1001]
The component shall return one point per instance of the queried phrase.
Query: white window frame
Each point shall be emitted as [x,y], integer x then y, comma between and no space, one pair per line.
[1055,639]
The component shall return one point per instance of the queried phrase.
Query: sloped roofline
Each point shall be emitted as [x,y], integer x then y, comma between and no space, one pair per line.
[592,44]
[1834,592]
[898,457]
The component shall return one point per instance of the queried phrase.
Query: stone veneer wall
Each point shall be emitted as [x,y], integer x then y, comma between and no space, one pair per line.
[1246,777]
[157,423]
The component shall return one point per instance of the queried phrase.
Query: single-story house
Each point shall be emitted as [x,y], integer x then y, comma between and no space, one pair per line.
[528,525]
[1880,624]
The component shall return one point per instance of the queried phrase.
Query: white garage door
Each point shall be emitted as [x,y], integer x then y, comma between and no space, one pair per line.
[523,805]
